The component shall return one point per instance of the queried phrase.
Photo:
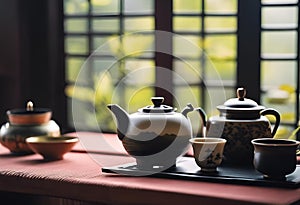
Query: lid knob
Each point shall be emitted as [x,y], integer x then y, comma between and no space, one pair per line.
[29,106]
[157,106]
[241,93]
[157,101]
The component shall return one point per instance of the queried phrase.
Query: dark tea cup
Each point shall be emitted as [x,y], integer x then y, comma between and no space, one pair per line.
[275,158]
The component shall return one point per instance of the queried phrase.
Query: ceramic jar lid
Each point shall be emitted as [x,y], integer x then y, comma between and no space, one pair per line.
[157,106]
[29,115]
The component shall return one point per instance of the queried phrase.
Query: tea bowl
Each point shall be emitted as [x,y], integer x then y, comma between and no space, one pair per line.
[275,158]
[208,152]
[51,148]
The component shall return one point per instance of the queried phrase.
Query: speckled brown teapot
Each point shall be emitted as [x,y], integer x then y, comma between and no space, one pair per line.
[240,121]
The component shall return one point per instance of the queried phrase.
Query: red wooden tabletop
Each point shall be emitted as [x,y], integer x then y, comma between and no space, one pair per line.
[78,176]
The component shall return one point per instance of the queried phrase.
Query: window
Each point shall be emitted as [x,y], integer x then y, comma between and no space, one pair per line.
[118,38]
[280,58]
[186,50]
[210,67]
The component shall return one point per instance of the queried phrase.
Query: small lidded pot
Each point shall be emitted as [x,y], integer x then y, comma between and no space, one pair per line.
[24,123]
[29,116]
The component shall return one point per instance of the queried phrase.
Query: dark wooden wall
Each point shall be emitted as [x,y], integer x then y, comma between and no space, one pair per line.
[31,56]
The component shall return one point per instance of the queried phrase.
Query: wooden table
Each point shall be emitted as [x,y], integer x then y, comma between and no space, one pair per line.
[78,178]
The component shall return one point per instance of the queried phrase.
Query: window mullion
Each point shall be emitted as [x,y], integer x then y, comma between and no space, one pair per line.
[163,48]
[298,74]
[248,63]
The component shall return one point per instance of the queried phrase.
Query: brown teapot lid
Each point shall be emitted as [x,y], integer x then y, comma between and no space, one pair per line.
[240,107]
[157,106]
[240,101]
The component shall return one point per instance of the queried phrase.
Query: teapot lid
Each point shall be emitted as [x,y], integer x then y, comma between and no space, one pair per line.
[29,110]
[240,101]
[240,107]
[29,115]
[157,106]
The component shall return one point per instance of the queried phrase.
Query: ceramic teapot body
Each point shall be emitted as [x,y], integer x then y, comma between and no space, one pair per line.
[240,121]
[155,135]
[14,137]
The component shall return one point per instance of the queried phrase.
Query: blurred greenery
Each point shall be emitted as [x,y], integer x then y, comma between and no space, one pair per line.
[124,49]
[99,96]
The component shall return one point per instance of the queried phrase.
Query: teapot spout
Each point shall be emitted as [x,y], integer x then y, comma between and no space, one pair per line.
[122,119]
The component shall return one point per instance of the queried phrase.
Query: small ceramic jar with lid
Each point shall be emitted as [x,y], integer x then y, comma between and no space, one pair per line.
[24,123]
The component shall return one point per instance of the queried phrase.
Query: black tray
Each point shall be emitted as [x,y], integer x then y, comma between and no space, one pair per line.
[187,169]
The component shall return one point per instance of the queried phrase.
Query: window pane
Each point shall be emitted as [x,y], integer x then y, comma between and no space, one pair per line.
[139,24]
[282,72]
[187,6]
[73,66]
[105,25]
[221,6]
[188,70]
[184,95]
[76,45]
[76,25]
[76,7]
[105,64]
[282,16]
[140,72]
[101,43]
[223,47]
[129,45]
[187,46]
[220,24]
[105,6]
[133,45]
[226,70]
[132,71]
[276,42]
[279,1]
[139,6]
[187,24]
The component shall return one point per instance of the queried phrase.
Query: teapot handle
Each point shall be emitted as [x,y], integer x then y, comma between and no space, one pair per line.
[203,116]
[275,113]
